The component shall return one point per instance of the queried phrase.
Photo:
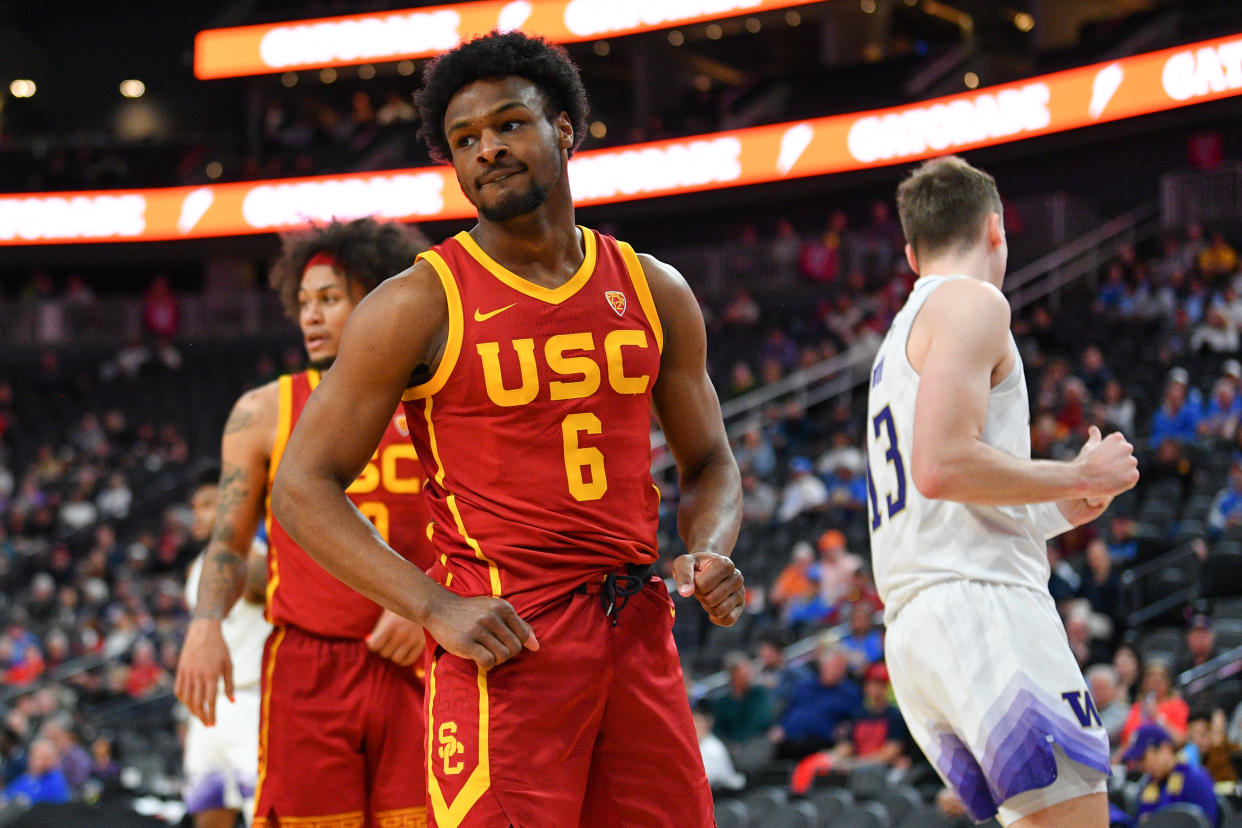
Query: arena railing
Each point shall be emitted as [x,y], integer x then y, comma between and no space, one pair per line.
[1201,195]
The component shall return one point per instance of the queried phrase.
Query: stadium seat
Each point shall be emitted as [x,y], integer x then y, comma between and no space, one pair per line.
[1221,574]
[794,814]
[1161,640]
[1223,608]
[1228,633]
[862,815]
[868,782]
[1178,816]
[764,801]
[900,801]
[831,802]
[732,813]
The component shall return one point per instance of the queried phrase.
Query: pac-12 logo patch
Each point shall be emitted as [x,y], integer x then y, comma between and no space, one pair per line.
[617,299]
[402,426]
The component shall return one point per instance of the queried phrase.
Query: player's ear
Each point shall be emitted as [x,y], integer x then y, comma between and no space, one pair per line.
[995,230]
[564,131]
[914,265]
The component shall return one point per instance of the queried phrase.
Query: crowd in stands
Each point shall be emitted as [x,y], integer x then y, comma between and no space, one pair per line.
[94,543]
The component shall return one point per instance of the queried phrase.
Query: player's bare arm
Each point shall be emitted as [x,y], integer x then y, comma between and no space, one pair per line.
[398,327]
[689,412]
[245,452]
[961,348]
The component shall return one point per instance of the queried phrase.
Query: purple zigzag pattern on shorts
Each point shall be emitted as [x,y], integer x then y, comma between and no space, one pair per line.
[1021,729]
[958,767]
[207,794]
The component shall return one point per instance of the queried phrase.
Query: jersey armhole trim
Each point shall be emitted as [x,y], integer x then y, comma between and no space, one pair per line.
[452,347]
[643,290]
[284,425]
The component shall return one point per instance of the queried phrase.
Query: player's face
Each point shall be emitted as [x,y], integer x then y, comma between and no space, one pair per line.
[325,300]
[506,152]
[203,507]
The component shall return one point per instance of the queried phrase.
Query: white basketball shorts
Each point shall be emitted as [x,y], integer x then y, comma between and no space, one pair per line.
[987,684]
[222,762]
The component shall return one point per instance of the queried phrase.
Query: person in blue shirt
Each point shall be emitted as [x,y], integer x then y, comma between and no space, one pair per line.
[865,643]
[818,709]
[43,780]
[1179,413]
[1167,780]
[1226,508]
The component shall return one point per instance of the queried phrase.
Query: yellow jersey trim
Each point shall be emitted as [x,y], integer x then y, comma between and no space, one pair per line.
[553,296]
[265,717]
[643,290]
[492,570]
[402,818]
[284,425]
[451,815]
[431,439]
[312,377]
[452,347]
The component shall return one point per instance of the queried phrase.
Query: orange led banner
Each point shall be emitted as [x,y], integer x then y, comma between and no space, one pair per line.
[420,33]
[1126,88]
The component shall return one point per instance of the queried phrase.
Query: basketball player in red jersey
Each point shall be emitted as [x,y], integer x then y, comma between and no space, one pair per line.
[338,670]
[529,353]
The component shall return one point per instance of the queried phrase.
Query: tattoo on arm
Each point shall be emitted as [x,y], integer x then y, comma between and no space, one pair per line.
[224,570]
[239,420]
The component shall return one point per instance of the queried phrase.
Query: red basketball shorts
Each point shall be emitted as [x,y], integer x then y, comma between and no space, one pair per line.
[593,730]
[340,737]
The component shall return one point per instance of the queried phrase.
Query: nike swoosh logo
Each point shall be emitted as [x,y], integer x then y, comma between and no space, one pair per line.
[479,316]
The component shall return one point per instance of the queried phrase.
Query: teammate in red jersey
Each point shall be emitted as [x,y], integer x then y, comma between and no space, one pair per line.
[529,353]
[338,670]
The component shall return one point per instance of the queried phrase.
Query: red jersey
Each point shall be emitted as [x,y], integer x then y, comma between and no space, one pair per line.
[299,591]
[534,431]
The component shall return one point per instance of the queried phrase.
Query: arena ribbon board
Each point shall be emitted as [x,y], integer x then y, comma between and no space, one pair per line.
[420,33]
[1075,98]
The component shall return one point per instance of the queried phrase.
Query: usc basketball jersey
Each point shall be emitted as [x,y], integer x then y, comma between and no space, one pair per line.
[534,431]
[300,592]
[916,541]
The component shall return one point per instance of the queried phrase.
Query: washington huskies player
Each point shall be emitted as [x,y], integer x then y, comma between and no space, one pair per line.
[222,762]
[960,515]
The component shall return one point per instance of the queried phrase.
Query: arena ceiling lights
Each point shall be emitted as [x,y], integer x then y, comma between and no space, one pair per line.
[1127,88]
[423,32]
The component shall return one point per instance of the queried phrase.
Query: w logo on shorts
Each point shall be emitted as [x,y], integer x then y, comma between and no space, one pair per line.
[1083,705]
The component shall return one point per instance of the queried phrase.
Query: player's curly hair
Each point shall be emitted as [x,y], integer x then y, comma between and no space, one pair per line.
[370,251]
[498,55]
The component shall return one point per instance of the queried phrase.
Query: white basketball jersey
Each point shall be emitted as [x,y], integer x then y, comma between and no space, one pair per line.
[245,630]
[916,541]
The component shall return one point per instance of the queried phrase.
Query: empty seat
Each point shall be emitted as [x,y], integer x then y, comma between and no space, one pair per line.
[900,801]
[731,813]
[1179,815]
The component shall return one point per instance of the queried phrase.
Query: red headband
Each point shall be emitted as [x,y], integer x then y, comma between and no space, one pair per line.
[324,258]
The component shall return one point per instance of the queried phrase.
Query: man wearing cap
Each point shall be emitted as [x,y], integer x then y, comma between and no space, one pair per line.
[1166,780]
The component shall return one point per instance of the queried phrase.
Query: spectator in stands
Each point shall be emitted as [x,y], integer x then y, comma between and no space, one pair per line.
[1200,643]
[1093,371]
[145,673]
[864,643]
[1218,259]
[114,501]
[821,258]
[105,770]
[879,734]
[1122,543]
[75,762]
[1172,461]
[741,312]
[1157,703]
[1178,415]
[1165,779]
[43,781]
[1226,509]
[759,500]
[1205,735]
[721,774]
[745,712]
[785,248]
[1101,586]
[1220,420]
[1118,409]
[781,678]
[741,380]
[818,709]
[844,452]
[161,310]
[755,454]
[796,585]
[1217,334]
[803,493]
[20,656]
[836,569]
[1087,648]
[1110,701]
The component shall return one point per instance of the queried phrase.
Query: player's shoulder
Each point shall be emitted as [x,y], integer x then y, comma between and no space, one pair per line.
[968,300]
[261,399]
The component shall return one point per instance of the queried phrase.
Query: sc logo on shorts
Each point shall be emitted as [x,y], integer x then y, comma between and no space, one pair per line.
[450,746]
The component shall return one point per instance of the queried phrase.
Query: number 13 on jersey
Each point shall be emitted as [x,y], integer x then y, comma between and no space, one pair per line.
[885,433]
